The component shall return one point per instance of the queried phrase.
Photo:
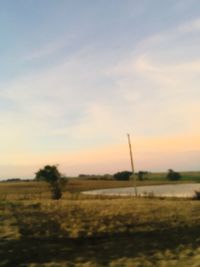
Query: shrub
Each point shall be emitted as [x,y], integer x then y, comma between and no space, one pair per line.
[123,176]
[141,175]
[197,195]
[173,176]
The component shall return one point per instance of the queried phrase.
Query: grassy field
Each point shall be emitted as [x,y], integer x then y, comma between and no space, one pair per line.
[34,190]
[185,176]
[95,231]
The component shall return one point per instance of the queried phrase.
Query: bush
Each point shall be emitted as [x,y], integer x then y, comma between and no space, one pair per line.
[141,175]
[197,195]
[123,176]
[173,176]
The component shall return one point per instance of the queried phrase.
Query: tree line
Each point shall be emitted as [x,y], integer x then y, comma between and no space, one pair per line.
[57,181]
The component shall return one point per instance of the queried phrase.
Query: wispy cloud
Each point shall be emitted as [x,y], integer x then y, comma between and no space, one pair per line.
[45,51]
[190,26]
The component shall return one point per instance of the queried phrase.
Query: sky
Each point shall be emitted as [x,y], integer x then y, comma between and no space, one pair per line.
[77,76]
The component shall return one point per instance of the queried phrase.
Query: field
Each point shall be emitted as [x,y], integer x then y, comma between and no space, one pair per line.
[96,231]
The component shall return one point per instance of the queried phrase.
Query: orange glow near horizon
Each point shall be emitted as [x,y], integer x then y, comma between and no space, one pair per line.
[114,152]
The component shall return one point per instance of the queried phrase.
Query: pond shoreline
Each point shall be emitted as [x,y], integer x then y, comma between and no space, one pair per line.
[170,190]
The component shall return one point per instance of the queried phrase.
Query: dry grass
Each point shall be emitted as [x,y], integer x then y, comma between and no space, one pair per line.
[95,231]
[95,218]
[100,232]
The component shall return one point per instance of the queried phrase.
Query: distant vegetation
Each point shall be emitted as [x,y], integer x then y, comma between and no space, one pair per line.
[142,175]
[173,176]
[122,176]
[96,176]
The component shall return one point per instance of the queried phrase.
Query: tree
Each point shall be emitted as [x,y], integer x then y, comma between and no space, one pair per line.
[173,176]
[124,175]
[141,175]
[56,180]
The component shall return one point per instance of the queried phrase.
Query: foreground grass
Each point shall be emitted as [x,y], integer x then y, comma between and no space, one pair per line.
[100,232]
[96,231]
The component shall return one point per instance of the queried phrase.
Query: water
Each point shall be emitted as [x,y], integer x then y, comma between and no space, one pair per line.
[177,190]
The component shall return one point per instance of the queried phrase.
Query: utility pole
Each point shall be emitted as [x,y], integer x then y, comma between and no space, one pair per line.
[132,165]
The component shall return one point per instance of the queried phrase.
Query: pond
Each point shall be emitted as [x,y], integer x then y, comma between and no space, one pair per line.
[171,190]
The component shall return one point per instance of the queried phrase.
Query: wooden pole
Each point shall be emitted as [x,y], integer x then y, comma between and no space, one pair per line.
[132,165]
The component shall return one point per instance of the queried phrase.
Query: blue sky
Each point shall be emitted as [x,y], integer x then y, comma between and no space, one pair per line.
[76,76]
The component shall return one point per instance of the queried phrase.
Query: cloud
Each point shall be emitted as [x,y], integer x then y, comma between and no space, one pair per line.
[159,82]
[70,100]
[85,105]
[46,51]
[60,101]
[191,26]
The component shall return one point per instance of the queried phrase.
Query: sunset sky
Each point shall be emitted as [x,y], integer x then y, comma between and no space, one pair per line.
[77,76]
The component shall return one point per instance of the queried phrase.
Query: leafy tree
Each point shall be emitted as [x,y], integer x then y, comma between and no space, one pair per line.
[51,175]
[173,176]
[124,175]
